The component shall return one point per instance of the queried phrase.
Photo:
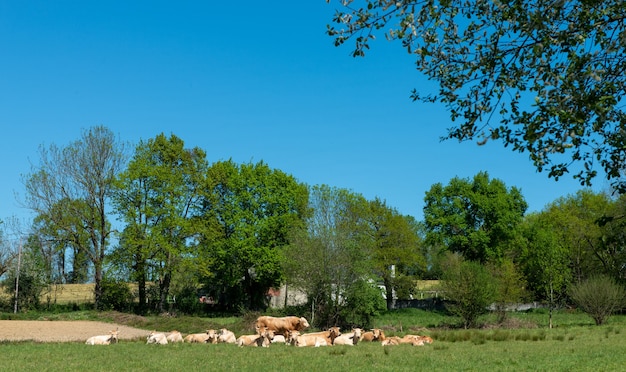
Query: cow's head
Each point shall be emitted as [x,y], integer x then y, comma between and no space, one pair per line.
[113,338]
[303,323]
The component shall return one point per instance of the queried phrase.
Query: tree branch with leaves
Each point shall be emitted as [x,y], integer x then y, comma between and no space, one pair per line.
[543,77]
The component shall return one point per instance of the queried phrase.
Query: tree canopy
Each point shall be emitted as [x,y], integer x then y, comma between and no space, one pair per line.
[476,218]
[70,188]
[544,77]
[248,211]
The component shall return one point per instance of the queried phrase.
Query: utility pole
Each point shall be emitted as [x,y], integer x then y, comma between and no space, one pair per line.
[17,277]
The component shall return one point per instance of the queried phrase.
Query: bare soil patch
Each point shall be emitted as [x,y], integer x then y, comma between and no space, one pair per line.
[63,331]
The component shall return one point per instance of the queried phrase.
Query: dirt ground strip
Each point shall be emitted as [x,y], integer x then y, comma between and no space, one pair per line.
[63,331]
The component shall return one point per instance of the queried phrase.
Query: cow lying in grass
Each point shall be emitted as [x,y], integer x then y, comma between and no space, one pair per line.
[302,340]
[226,336]
[210,336]
[262,339]
[103,340]
[375,334]
[316,339]
[414,340]
[174,337]
[351,338]
[156,338]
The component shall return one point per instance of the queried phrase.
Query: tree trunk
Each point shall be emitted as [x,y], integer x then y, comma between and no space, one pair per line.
[140,276]
[98,284]
[390,294]
[165,290]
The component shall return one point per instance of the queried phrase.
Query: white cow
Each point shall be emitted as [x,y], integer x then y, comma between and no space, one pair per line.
[351,338]
[226,336]
[157,338]
[103,340]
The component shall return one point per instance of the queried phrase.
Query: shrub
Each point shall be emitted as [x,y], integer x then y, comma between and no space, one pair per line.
[29,289]
[469,288]
[599,297]
[116,295]
[364,301]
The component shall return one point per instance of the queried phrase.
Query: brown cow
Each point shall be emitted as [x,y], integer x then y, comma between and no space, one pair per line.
[375,334]
[281,326]
[414,340]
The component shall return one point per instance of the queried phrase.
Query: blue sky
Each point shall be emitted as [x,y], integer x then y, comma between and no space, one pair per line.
[249,81]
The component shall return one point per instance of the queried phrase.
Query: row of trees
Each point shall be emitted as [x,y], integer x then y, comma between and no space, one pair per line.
[167,220]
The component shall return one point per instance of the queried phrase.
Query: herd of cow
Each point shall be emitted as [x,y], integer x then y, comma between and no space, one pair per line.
[269,330]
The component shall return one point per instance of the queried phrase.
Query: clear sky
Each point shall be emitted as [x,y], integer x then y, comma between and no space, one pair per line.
[247,80]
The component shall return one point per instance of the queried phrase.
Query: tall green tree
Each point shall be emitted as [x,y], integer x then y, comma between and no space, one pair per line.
[576,220]
[545,261]
[65,245]
[611,248]
[395,247]
[544,77]
[248,212]
[159,199]
[331,254]
[476,218]
[80,177]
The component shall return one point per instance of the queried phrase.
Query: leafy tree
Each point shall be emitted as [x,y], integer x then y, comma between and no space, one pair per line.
[395,247]
[469,289]
[574,218]
[599,296]
[27,277]
[551,72]
[510,284]
[363,303]
[331,253]
[7,253]
[477,219]
[158,196]
[545,261]
[248,213]
[611,247]
[116,295]
[64,246]
[78,177]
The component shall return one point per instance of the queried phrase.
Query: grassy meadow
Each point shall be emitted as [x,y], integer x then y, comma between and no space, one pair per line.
[575,344]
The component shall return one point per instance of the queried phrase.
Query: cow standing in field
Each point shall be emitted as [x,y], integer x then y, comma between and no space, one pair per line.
[103,340]
[281,326]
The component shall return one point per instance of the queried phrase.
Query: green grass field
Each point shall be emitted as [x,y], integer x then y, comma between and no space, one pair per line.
[575,349]
[575,344]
